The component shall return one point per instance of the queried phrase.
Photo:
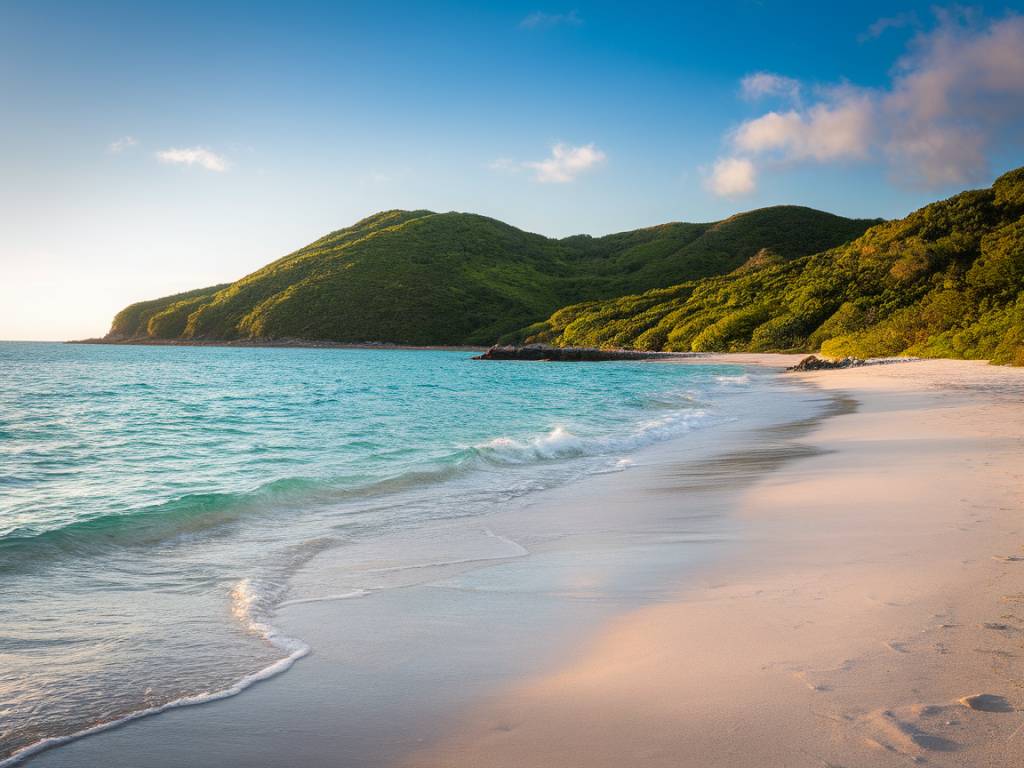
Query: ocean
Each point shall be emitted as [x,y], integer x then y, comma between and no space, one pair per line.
[158,504]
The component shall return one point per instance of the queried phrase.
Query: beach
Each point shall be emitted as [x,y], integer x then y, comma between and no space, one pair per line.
[824,584]
[881,584]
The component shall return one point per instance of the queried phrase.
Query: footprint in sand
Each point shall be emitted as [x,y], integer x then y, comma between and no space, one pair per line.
[908,732]
[801,675]
[987,702]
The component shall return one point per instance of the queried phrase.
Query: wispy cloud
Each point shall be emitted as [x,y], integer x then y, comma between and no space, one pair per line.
[880,26]
[200,156]
[732,177]
[958,92]
[762,84]
[566,163]
[117,146]
[955,96]
[505,165]
[540,19]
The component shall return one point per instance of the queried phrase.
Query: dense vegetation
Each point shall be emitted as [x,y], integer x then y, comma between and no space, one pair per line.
[418,277]
[133,321]
[946,281]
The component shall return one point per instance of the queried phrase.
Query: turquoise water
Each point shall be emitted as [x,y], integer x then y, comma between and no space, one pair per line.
[155,503]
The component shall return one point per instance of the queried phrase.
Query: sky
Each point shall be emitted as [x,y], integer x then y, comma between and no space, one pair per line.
[151,148]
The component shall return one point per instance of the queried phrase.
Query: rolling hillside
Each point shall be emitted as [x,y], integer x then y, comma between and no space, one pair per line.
[946,281]
[417,277]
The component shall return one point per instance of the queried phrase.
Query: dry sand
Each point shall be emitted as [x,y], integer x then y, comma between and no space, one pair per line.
[882,587]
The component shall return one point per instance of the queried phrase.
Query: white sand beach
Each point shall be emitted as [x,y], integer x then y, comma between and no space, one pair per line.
[881,584]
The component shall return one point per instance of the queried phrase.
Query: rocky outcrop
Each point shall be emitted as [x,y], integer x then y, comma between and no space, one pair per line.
[815,363]
[568,354]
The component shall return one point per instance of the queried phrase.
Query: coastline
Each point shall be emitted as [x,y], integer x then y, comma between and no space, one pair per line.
[879,590]
[274,343]
[528,582]
[837,601]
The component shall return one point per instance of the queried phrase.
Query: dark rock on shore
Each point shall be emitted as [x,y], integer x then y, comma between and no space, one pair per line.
[568,354]
[815,363]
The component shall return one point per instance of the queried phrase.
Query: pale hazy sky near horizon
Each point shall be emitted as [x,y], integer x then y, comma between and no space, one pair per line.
[150,148]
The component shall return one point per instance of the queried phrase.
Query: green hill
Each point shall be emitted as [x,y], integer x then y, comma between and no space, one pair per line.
[417,277]
[946,281]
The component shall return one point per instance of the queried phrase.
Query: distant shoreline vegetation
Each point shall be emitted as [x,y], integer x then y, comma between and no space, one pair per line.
[946,281]
[423,278]
[279,344]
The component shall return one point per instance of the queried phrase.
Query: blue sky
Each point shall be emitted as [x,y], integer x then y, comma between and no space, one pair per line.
[152,148]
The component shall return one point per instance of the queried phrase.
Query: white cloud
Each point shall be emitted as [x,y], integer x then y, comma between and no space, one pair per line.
[732,177]
[957,94]
[761,84]
[539,19]
[566,163]
[834,130]
[193,156]
[118,146]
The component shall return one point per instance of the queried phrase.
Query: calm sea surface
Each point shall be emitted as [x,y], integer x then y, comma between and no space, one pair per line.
[156,502]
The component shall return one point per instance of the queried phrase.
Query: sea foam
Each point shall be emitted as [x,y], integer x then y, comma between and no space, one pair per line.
[246,604]
[560,443]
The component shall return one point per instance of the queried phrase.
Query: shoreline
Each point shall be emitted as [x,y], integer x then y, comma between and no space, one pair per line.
[273,344]
[553,530]
[841,605]
[874,616]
